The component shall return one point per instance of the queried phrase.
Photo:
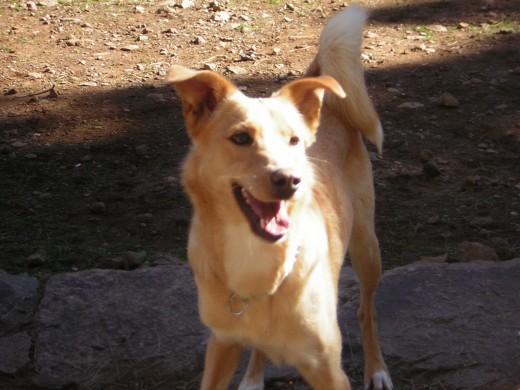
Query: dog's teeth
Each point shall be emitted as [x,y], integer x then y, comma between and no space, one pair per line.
[246,196]
[263,224]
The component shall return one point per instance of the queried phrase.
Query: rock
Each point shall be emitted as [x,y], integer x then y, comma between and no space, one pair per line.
[502,248]
[441,325]
[15,352]
[19,298]
[237,70]
[88,84]
[462,25]
[481,222]
[199,40]
[133,260]
[426,155]
[35,75]
[221,16]
[438,28]
[473,251]
[103,326]
[36,259]
[431,169]
[48,3]
[186,4]
[31,6]
[98,208]
[210,66]
[411,105]
[448,100]
[139,9]
[130,48]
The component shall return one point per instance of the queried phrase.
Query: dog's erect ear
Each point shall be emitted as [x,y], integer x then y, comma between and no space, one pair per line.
[200,92]
[307,95]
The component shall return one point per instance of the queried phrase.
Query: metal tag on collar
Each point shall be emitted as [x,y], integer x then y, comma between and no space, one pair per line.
[237,305]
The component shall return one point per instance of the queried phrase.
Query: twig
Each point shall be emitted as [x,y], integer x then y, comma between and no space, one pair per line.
[52,93]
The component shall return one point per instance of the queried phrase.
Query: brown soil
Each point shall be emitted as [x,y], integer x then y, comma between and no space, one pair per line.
[89,169]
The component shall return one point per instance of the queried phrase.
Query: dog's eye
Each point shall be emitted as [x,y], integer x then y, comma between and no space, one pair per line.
[294,141]
[241,138]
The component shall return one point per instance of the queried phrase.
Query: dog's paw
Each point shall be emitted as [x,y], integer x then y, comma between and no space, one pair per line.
[380,381]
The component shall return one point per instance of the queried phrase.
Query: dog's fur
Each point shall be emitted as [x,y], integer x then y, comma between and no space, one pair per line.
[271,285]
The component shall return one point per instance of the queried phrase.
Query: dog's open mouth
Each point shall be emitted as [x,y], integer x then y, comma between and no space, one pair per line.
[268,220]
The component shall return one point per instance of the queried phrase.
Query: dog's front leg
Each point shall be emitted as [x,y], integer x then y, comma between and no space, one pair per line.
[254,377]
[221,361]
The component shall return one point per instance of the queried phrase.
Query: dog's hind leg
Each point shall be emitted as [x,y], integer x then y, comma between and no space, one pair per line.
[366,260]
[220,364]
[254,377]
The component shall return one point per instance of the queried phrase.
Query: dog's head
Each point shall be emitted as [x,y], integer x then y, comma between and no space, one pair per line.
[251,151]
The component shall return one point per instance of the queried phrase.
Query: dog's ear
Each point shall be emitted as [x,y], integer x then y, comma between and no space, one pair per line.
[200,92]
[307,95]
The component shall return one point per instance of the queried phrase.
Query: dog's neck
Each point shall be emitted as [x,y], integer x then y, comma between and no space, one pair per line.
[253,267]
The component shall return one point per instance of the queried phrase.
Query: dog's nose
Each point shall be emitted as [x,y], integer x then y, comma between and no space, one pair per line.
[285,183]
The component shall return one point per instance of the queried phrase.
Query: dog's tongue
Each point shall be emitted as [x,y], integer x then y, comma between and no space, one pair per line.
[274,218]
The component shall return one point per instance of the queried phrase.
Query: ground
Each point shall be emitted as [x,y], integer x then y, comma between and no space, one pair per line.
[91,139]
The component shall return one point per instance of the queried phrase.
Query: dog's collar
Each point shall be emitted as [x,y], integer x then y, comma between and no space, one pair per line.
[238,305]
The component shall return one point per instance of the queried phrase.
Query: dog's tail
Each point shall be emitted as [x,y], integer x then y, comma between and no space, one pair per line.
[339,56]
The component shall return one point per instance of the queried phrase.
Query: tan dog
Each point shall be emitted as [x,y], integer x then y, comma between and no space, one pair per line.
[280,188]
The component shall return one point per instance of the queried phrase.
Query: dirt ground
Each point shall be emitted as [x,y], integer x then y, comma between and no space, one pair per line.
[91,139]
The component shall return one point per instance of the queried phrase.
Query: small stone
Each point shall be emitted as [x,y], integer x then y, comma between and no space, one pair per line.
[473,251]
[433,220]
[48,3]
[143,150]
[186,4]
[31,6]
[35,75]
[199,41]
[88,84]
[462,25]
[448,100]
[133,260]
[237,70]
[98,208]
[36,259]
[431,169]
[210,66]
[411,105]
[139,9]
[72,42]
[18,144]
[221,16]
[156,97]
[276,51]
[438,28]
[481,222]
[502,248]
[426,155]
[130,48]
[139,67]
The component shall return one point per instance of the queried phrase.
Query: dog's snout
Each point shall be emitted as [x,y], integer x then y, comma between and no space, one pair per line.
[285,182]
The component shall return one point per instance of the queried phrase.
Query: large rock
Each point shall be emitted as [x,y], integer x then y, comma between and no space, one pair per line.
[456,326]
[113,329]
[18,300]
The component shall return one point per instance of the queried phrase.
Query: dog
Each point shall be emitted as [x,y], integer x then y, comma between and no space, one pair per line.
[281,188]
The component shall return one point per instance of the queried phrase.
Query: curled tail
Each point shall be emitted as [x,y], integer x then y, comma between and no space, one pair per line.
[339,56]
